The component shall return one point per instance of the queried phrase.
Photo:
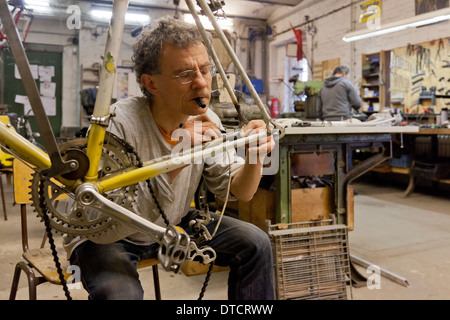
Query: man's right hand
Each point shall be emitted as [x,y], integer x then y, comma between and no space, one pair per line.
[201,129]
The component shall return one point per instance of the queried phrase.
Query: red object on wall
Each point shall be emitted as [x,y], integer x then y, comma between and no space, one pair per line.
[298,35]
[274,107]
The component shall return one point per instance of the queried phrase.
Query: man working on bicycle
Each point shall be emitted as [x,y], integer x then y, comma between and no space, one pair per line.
[174,71]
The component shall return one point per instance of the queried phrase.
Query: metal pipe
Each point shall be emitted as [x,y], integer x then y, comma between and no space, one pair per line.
[385,273]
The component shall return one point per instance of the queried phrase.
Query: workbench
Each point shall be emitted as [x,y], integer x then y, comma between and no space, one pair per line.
[341,141]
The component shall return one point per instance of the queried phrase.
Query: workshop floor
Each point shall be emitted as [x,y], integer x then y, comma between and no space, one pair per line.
[407,237]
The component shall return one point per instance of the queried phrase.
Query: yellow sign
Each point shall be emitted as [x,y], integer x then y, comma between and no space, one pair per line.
[370,10]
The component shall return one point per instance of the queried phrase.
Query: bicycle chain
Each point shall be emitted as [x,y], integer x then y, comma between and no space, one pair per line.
[51,241]
[166,220]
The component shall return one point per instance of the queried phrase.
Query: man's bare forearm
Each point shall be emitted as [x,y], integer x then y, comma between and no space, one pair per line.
[246,181]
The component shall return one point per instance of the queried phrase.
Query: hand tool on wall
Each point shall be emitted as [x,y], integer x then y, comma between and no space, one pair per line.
[418,75]
[410,49]
[442,80]
[440,46]
[432,73]
[419,57]
[447,65]
[416,90]
[417,81]
[428,61]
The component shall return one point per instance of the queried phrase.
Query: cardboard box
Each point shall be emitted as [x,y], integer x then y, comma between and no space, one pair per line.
[311,204]
[306,205]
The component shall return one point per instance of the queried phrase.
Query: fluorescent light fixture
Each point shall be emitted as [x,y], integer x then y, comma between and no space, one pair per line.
[38,3]
[41,6]
[223,23]
[130,17]
[416,21]
[101,14]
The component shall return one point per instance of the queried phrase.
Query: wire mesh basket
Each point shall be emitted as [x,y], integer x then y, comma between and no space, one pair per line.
[311,261]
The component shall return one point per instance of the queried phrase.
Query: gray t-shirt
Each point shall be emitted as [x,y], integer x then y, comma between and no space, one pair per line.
[135,124]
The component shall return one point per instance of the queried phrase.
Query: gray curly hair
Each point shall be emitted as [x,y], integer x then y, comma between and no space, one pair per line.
[148,47]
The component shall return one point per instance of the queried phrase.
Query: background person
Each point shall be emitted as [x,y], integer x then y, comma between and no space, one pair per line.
[337,97]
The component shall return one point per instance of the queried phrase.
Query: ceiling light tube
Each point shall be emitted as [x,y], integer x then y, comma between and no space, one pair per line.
[39,3]
[223,23]
[130,17]
[417,21]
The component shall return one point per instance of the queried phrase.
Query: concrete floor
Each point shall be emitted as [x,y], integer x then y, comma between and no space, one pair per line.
[409,237]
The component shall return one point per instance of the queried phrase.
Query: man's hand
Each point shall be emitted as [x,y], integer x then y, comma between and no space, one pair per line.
[260,149]
[201,129]
[246,181]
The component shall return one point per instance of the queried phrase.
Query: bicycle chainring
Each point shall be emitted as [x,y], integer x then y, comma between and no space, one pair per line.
[66,216]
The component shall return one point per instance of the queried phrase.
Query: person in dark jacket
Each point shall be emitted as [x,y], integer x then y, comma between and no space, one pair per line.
[337,97]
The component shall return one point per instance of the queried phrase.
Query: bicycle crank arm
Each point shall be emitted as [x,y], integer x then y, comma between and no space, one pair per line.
[174,241]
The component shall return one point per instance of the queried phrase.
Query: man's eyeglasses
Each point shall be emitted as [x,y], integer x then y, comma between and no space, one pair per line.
[188,76]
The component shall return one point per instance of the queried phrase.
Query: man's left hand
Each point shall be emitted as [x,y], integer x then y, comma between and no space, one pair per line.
[263,146]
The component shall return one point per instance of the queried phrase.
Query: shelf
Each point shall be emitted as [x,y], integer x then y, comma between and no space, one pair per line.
[90,81]
[374,79]
[387,169]
[371,85]
[371,75]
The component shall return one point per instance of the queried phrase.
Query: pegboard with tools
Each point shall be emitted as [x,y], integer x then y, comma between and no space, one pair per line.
[420,74]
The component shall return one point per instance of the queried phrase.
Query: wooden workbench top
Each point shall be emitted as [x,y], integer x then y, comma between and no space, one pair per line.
[431,131]
[351,130]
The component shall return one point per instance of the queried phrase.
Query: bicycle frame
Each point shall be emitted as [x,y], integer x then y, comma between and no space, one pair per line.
[50,163]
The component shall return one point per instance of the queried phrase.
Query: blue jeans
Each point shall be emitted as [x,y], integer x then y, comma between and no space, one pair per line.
[110,271]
